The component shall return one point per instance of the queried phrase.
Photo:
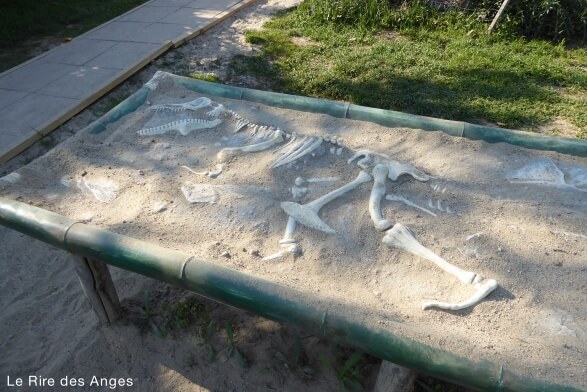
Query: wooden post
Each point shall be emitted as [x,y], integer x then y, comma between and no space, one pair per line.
[498,16]
[98,288]
[394,378]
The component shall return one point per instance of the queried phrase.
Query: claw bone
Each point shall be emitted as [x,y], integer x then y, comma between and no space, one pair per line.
[380,176]
[307,214]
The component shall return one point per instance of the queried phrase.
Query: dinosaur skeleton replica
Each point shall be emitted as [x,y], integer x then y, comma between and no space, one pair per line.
[375,167]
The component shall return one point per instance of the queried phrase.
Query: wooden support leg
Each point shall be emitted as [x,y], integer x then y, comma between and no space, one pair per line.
[98,288]
[394,378]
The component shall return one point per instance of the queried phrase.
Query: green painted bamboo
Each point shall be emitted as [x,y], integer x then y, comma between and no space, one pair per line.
[262,297]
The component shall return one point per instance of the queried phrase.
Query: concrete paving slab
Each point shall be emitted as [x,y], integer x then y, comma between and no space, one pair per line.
[148,14]
[8,143]
[156,33]
[124,55]
[219,5]
[34,76]
[81,83]
[78,52]
[8,97]
[169,3]
[119,31]
[191,17]
[32,113]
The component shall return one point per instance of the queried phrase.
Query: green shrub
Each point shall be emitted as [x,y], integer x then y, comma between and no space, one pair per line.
[554,20]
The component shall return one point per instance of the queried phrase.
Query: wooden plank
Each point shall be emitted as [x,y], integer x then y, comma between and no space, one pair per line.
[498,16]
[98,287]
[394,378]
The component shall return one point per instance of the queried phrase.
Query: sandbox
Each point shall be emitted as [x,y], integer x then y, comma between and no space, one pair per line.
[214,177]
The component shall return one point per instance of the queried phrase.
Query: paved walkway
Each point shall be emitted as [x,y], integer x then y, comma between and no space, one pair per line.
[41,94]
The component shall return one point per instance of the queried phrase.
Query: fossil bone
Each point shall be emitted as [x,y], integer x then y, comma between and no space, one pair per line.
[397,169]
[377,192]
[289,249]
[409,203]
[196,104]
[312,144]
[401,237]
[368,157]
[204,173]
[307,214]
[298,192]
[322,179]
[290,227]
[215,112]
[240,125]
[199,193]
[292,138]
[184,127]
[292,150]
[482,290]
[229,151]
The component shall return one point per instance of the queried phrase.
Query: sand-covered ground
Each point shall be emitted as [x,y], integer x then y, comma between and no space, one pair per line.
[493,216]
[507,213]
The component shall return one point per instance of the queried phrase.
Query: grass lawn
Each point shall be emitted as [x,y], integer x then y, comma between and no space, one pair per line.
[456,73]
[27,25]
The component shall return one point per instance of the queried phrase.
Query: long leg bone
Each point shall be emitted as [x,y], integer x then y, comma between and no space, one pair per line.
[307,214]
[380,176]
[289,230]
[399,236]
